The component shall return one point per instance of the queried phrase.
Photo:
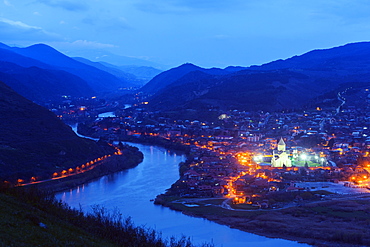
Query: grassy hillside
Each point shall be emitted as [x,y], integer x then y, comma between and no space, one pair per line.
[34,218]
[22,224]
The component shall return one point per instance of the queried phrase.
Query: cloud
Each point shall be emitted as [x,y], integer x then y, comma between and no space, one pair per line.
[101,23]
[7,3]
[67,4]
[10,29]
[185,6]
[89,44]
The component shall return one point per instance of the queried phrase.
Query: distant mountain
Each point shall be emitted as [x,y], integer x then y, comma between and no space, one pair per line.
[168,77]
[7,55]
[282,84]
[42,85]
[114,70]
[117,60]
[354,56]
[34,142]
[144,73]
[99,80]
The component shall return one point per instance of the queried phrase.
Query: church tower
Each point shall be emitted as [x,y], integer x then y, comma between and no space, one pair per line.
[281,145]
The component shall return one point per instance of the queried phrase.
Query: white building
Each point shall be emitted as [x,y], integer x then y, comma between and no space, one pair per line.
[280,157]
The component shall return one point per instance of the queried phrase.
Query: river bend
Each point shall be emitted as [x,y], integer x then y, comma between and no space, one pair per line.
[131,191]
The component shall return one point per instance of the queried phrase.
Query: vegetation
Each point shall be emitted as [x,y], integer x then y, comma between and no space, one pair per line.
[32,217]
[35,143]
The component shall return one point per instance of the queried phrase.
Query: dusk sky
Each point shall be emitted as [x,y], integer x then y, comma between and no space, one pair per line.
[208,33]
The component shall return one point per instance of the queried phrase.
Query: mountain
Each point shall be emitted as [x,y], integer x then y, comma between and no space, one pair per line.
[42,85]
[34,142]
[114,70]
[99,80]
[118,60]
[168,77]
[347,57]
[283,84]
[7,55]
[144,73]
[241,90]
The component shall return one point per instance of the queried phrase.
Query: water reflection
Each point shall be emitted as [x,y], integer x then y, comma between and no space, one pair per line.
[131,191]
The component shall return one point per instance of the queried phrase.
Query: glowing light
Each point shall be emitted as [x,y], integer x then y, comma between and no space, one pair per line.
[223,116]
[258,158]
[304,156]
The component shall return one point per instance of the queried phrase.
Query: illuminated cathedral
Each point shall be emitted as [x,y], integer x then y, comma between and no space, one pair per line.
[280,157]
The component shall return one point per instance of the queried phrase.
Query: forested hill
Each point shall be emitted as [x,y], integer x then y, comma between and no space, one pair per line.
[34,142]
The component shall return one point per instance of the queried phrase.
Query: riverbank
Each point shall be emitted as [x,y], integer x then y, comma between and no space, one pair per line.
[85,130]
[306,225]
[340,221]
[131,157]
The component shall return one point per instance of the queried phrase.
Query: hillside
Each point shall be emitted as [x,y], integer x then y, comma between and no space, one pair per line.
[20,226]
[34,142]
[296,82]
[353,56]
[35,218]
[42,85]
[143,73]
[99,80]
[114,70]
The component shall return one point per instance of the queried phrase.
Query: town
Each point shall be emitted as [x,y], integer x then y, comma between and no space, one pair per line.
[252,158]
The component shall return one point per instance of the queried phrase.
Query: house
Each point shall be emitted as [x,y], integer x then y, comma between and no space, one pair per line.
[191,174]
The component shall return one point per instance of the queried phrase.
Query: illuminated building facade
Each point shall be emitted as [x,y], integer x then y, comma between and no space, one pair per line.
[280,157]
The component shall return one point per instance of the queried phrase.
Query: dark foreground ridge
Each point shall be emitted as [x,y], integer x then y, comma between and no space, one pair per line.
[31,217]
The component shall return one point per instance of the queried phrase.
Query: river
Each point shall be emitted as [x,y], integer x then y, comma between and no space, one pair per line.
[130,192]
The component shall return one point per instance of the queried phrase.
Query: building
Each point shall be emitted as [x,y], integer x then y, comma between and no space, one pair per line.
[280,157]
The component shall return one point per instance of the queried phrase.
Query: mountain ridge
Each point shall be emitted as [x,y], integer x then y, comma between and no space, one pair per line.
[92,75]
[282,84]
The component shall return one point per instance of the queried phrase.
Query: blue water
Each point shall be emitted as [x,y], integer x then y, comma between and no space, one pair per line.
[130,192]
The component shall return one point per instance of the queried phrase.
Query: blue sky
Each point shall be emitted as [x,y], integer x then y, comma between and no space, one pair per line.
[208,33]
